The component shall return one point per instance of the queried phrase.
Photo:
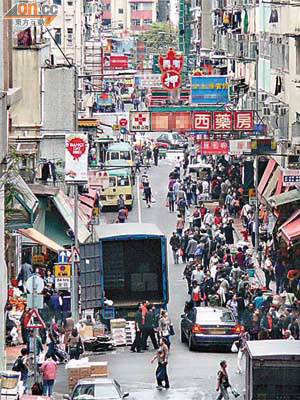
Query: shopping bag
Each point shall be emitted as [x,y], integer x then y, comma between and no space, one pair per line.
[234,348]
[181,253]
[153,200]
[172,332]
[167,203]
[235,393]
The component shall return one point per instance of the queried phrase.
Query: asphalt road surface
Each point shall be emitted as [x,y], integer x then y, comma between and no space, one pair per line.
[192,374]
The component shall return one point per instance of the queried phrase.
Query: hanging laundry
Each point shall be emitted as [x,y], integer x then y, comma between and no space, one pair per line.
[274,16]
[278,85]
[246,21]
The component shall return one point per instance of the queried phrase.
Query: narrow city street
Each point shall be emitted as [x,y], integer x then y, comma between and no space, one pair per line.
[192,374]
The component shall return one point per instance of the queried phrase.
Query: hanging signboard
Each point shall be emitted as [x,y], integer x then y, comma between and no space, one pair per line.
[209,89]
[62,270]
[76,158]
[208,147]
[98,179]
[139,121]
[291,177]
[240,146]
[171,66]
[223,121]
[62,283]
[171,121]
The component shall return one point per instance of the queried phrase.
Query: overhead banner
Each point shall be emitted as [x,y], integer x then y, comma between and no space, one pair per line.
[139,121]
[209,89]
[208,147]
[291,177]
[171,121]
[240,146]
[76,163]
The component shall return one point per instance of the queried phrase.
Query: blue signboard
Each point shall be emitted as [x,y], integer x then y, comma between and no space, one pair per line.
[209,89]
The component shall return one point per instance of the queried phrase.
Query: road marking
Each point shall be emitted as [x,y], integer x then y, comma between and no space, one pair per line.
[138,199]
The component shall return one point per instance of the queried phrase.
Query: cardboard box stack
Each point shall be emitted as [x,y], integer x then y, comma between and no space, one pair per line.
[80,369]
[118,331]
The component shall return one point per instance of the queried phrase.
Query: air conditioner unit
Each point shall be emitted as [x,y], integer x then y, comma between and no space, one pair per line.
[266,111]
[283,111]
[297,150]
[262,96]
[275,107]
[252,94]
[279,40]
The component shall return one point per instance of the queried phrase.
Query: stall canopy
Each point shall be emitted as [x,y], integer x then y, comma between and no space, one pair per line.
[290,230]
[284,198]
[267,173]
[269,190]
[279,183]
[21,204]
[39,238]
[66,208]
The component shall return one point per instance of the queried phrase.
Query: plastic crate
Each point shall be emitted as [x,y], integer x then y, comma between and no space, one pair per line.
[108,313]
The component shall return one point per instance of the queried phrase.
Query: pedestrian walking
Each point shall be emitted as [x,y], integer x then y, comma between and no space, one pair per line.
[48,370]
[155,155]
[165,327]
[243,338]
[21,365]
[171,199]
[162,362]
[175,244]
[148,327]
[147,195]
[122,215]
[223,382]
[74,345]
[137,344]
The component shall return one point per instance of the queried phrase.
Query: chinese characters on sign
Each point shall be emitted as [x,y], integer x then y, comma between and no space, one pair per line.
[139,121]
[291,177]
[243,120]
[203,121]
[209,89]
[222,121]
[171,67]
[210,148]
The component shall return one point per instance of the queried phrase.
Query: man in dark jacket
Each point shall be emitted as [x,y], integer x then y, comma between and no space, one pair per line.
[175,244]
[137,344]
[149,324]
[279,275]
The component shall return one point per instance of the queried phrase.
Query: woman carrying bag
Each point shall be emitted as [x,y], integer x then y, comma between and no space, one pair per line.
[165,327]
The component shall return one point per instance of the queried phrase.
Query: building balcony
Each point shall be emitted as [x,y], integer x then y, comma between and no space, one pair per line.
[141,14]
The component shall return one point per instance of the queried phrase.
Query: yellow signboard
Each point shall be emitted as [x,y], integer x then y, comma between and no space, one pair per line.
[40,259]
[252,193]
[62,270]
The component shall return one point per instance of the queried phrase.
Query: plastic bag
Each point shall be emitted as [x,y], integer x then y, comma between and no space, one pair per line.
[234,348]
[167,203]
[235,393]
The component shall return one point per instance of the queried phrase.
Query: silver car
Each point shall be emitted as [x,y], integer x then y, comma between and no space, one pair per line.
[97,389]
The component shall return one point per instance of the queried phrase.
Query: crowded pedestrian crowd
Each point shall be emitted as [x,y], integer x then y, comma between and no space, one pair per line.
[221,268]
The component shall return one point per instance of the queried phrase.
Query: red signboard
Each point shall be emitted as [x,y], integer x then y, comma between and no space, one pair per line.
[222,121]
[123,122]
[171,66]
[202,121]
[119,62]
[209,148]
[171,121]
[243,120]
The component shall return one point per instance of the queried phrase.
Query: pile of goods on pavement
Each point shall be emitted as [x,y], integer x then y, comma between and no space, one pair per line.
[80,369]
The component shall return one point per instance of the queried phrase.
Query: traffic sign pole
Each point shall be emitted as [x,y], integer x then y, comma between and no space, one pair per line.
[35,331]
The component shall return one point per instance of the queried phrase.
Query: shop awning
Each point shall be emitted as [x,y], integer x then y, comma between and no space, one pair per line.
[65,206]
[266,175]
[39,238]
[269,190]
[291,231]
[284,198]
[279,183]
